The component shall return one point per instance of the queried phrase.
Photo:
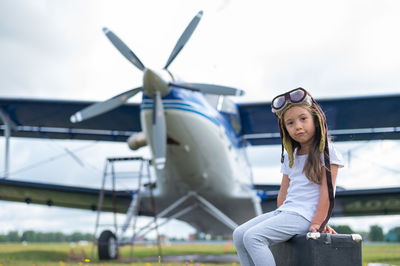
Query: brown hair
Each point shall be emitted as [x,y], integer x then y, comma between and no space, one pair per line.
[313,166]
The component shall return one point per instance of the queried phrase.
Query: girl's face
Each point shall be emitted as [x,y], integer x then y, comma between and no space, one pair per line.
[300,125]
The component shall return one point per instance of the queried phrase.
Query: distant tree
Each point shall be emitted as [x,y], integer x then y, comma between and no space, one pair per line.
[343,229]
[88,237]
[51,237]
[44,237]
[40,237]
[33,236]
[395,233]
[59,237]
[74,237]
[376,233]
[13,236]
[29,236]
[3,238]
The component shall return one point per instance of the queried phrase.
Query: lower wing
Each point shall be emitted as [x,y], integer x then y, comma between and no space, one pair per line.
[360,202]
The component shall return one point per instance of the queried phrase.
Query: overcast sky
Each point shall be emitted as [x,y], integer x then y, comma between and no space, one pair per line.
[56,49]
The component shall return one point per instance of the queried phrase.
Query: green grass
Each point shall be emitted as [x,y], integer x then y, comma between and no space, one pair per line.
[381,253]
[47,254]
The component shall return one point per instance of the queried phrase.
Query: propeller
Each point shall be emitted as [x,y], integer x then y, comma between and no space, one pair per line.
[184,38]
[103,107]
[208,88]
[155,84]
[124,49]
[159,131]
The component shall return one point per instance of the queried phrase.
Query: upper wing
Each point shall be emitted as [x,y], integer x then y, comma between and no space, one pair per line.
[356,118]
[37,118]
[360,202]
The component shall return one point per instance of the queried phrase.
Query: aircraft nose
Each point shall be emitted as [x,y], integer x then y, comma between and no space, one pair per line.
[154,81]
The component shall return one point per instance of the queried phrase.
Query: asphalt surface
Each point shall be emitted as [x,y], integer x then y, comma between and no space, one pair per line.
[195,258]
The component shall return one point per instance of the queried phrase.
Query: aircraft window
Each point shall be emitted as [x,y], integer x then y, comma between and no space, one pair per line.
[213,100]
[234,119]
[226,105]
[229,109]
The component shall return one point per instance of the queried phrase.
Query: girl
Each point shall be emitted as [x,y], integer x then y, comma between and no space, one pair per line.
[309,167]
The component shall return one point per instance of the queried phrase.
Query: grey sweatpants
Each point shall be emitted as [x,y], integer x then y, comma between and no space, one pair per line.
[253,238]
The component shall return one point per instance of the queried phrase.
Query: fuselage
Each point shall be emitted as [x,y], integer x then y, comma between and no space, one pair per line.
[205,153]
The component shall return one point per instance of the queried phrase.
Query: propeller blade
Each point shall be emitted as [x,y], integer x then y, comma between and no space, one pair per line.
[123,48]
[208,88]
[102,107]
[159,132]
[184,38]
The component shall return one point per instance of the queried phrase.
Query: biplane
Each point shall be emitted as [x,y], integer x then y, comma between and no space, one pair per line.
[198,138]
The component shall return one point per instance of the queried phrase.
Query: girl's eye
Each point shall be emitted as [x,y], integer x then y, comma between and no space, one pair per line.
[289,123]
[303,118]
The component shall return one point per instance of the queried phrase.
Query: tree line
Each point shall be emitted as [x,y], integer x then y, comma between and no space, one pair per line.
[375,233]
[32,236]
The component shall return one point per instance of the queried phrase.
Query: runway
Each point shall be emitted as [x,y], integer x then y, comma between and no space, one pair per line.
[203,258]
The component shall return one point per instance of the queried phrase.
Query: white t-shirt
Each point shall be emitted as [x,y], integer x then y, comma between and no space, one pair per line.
[302,194]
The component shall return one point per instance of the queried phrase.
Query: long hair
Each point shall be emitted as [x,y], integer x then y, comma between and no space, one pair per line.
[313,166]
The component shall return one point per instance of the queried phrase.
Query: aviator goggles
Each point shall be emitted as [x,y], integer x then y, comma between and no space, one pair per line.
[298,95]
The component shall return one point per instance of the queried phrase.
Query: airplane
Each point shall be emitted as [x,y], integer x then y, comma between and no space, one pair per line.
[198,139]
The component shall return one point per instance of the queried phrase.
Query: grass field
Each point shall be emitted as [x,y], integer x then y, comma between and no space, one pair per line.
[58,254]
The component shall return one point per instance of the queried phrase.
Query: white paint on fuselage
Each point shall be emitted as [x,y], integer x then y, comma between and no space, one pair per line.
[204,161]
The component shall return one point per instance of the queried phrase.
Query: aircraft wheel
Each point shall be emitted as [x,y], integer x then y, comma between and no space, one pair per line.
[107,246]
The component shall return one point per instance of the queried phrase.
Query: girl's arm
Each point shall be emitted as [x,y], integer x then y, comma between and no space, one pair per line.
[283,190]
[323,202]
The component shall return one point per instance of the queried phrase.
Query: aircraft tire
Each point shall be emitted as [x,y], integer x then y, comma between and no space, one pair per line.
[107,246]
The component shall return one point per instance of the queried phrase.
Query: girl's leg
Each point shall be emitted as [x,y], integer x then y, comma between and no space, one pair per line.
[278,228]
[238,234]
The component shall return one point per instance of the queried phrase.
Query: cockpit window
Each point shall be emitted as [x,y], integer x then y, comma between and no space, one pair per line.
[229,109]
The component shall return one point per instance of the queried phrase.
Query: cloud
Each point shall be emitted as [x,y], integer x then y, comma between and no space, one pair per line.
[57,50]
[54,49]
[364,168]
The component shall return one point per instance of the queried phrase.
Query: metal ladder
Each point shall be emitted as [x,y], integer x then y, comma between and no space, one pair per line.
[132,212]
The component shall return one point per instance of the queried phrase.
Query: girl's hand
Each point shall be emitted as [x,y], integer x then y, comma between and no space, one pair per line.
[329,230]
[315,227]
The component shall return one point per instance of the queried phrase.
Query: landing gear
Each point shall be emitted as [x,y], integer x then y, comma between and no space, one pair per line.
[107,246]
[108,243]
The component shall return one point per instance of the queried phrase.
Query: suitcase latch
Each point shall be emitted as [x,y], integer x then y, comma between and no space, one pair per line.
[356,237]
[313,235]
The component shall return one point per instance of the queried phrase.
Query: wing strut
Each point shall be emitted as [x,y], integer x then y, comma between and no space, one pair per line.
[201,202]
[9,124]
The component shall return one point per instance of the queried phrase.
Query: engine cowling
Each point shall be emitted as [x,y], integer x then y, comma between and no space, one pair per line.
[137,140]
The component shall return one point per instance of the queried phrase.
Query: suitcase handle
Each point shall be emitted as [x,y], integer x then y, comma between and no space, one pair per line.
[317,235]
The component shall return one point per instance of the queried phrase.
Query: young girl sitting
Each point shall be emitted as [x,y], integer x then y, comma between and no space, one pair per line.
[309,168]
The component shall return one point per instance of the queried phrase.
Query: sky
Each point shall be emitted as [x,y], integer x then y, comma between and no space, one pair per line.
[56,50]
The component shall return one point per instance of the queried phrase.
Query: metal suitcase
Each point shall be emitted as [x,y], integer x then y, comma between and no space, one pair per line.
[319,249]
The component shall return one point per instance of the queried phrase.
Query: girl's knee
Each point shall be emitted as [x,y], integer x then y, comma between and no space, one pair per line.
[252,238]
[236,234]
